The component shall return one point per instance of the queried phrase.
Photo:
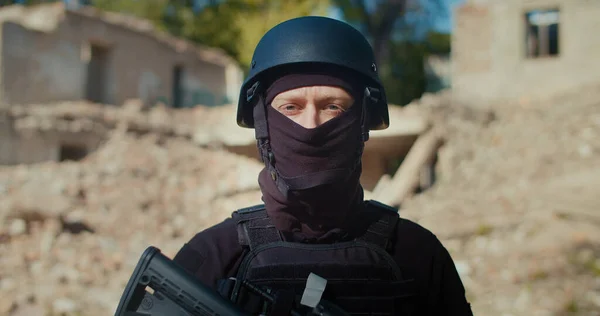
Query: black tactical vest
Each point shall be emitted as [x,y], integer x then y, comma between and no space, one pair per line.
[362,277]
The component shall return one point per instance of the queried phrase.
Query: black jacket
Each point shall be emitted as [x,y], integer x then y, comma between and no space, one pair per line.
[215,254]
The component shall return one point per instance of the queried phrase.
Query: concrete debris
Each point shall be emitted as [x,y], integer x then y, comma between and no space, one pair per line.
[406,179]
[515,202]
[72,229]
[77,116]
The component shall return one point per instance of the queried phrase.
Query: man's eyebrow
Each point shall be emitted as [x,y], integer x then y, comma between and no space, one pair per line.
[287,98]
[295,95]
[321,99]
[290,95]
[337,97]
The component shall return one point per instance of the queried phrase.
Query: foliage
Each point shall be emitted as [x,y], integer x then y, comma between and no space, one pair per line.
[438,43]
[377,20]
[152,10]
[404,74]
[401,61]
[235,26]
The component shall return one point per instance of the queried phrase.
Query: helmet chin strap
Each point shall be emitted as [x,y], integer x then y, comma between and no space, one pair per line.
[286,184]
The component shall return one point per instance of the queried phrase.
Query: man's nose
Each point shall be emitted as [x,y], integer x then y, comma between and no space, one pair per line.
[310,117]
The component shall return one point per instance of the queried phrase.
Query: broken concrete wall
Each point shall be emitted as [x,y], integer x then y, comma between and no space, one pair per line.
[88,57]
[7,139]
[27,146]
[382,155]
[489,51]
[39,67]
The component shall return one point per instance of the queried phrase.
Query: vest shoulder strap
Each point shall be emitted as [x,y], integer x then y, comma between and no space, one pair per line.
[382,230]
[254,227]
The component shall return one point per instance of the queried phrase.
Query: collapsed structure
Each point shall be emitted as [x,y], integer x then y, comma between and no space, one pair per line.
[69,62]
[514,50]
[51,54]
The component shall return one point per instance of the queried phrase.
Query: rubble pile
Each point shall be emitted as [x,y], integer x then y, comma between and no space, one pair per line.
[71,233]
[206,126]
[522,144]
[83,116]
[515,204]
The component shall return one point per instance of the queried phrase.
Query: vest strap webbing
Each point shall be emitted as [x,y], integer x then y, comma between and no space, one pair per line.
[255,228]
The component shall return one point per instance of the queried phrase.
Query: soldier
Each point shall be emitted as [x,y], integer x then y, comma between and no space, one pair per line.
[312,95]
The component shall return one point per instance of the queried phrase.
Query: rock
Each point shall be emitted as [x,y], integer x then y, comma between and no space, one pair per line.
[585,255]
[29,310]
[585,150]
[7,284]
[17,227]
[463,268]
[593,298]
[64,306]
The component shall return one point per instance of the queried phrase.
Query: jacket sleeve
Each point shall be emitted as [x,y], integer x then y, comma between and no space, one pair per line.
[212,254]
[447,292]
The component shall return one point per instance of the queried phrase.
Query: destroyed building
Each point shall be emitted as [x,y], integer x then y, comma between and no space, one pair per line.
[51,54]
[519,51]
[55,58]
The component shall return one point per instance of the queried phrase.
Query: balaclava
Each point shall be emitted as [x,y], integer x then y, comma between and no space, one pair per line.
[311,180]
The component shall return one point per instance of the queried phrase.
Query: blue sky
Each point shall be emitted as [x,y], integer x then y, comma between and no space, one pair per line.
[443,23]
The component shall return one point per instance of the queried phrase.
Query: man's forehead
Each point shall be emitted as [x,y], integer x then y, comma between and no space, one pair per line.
[317,90]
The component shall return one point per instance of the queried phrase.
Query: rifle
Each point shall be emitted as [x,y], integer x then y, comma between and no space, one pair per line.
[173,291]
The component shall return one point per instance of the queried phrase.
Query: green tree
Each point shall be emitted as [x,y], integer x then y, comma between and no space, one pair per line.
[404,78]
[376,18]
[152,10]
[272,12]
[235,26]
[400,62]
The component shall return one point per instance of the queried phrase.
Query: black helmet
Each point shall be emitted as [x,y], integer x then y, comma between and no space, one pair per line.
[314,40]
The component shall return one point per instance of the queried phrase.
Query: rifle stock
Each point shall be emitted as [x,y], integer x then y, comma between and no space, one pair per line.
[173,291]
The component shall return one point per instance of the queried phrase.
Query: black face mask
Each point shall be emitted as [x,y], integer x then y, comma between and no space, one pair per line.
[311,181]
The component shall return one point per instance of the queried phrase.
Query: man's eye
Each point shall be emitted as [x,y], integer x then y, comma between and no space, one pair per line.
[334,107]
[289,108]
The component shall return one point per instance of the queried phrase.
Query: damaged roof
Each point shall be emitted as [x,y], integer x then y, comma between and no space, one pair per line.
[47,18]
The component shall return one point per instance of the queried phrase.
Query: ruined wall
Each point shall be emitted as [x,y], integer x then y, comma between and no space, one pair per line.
[39,67]
[16,147]
[27,148]
[489,44]
[22,146]
[87,57]
[7,139]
